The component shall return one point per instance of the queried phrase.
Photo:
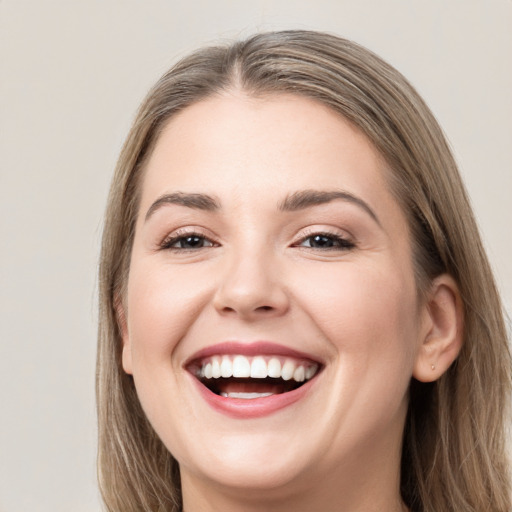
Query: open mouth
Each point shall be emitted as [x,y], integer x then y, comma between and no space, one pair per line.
[244,377]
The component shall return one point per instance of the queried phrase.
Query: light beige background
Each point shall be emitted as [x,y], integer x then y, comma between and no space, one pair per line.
[73,73]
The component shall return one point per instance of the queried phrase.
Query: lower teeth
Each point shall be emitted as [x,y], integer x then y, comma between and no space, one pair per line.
[246,396]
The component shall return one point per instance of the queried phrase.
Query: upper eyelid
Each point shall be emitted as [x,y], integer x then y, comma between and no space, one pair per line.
[327,231]
[188,231]
[176,234]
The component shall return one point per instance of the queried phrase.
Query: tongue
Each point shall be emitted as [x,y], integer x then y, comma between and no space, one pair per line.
[233,386]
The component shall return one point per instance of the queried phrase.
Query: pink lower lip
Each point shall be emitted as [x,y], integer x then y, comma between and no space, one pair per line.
[252,408]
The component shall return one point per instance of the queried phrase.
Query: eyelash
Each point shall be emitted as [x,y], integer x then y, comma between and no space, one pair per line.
[178,237]
[338,242]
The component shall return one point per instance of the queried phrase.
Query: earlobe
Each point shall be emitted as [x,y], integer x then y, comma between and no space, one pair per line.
[123,329]
[443,338]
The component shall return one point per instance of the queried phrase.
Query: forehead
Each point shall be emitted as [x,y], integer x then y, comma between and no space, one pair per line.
[241,146]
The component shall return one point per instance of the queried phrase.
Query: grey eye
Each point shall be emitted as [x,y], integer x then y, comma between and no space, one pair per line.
[192,242]
[187,242]
[326,241]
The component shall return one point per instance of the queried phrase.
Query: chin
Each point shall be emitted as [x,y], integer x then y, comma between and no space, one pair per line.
[250,470]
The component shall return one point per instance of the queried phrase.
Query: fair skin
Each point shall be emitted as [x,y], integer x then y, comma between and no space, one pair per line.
[246,268]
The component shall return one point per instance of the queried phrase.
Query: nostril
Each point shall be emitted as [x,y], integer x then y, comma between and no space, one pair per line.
[250,300]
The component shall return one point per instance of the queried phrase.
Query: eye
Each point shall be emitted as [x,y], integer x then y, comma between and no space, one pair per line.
[325,241]
[187,242]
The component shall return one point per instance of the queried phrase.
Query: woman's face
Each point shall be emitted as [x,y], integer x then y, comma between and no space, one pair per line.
[272,320]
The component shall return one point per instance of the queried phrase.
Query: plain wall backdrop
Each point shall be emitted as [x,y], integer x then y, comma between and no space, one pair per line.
[73,74]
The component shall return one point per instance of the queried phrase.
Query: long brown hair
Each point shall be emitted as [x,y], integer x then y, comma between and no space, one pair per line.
[454,454]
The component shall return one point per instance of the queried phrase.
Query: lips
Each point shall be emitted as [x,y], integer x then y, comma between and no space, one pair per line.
[248,380]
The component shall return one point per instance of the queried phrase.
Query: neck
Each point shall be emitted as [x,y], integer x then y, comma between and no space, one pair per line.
[297,503]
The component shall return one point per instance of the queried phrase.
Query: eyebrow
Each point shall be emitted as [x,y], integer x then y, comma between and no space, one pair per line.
[299,200]
[196,201]
[307,198]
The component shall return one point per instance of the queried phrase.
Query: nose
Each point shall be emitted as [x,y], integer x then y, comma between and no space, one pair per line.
[251,288]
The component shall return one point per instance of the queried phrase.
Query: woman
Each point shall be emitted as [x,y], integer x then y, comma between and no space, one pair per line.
[296,309]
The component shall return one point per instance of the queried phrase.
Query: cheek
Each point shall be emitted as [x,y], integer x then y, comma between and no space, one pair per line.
[367,311]
[162,304]
[369,317]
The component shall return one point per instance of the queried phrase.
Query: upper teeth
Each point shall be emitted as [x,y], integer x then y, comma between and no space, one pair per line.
[258,367]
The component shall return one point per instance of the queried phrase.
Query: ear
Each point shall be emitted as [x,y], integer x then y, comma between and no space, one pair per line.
[126,357]
[443,333]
